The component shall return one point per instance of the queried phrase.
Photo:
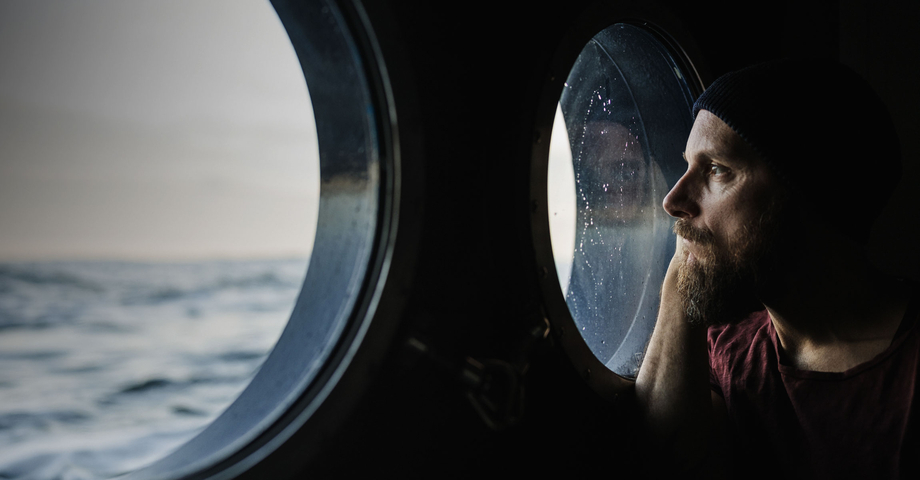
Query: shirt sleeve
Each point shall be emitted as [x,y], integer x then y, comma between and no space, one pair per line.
[716,364]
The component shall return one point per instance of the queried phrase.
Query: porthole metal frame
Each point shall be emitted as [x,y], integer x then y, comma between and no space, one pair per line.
[310,408]
[661,25]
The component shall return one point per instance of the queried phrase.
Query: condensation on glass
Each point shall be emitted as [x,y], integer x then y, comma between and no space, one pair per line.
[621,125]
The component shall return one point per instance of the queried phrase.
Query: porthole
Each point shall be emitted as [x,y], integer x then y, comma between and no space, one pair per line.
[353,239]
[620,126]
[355,226]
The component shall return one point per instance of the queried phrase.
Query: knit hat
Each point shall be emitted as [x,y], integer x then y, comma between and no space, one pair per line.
[821,128]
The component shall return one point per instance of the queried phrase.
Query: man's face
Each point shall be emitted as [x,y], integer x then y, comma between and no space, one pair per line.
[727,205]
[614,174]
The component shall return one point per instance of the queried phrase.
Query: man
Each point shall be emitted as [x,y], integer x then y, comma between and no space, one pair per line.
[788,164]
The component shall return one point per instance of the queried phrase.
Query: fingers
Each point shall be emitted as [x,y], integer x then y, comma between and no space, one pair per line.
[669,287]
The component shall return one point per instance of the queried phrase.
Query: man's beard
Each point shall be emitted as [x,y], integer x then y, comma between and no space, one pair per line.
[725,285]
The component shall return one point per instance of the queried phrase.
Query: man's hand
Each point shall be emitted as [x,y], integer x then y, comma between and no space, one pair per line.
[672,389]
[669,294]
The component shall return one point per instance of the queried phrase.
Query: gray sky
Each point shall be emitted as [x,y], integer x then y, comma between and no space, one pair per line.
[153,130]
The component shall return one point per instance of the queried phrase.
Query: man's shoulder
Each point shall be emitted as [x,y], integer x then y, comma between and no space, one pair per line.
[750,324]
[741,335]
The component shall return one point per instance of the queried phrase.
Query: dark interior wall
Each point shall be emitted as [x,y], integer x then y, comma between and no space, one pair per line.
[881,41]
[467,79]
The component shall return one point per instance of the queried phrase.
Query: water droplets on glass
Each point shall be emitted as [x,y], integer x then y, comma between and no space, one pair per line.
[620,126]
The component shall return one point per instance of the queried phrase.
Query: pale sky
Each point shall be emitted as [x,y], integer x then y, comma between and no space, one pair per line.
[561,200]
[157,130]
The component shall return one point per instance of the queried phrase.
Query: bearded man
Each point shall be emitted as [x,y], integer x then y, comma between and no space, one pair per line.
[779,350]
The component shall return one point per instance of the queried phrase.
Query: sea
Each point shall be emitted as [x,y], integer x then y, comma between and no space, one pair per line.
[106,366]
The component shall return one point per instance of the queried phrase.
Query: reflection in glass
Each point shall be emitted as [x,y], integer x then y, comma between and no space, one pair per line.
[626,116]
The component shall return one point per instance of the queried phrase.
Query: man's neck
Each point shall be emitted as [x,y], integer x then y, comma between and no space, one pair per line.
[835,310]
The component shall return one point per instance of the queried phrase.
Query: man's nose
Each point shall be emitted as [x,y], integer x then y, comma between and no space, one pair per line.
[680,201]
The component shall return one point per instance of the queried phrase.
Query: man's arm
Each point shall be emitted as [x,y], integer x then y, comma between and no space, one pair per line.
[672,390]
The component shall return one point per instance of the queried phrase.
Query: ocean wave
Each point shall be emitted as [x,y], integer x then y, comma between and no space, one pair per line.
[88,332]
[39,322]
[40,420]
[242,356]
[158,384]
[167,294]
[37,355]
[38,274]
[91,457]
[41,295]
[147,385]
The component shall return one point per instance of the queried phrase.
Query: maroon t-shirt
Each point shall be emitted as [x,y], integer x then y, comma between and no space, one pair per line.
[795,423]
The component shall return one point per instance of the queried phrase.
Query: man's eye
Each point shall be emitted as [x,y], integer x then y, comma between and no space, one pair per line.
[716,169]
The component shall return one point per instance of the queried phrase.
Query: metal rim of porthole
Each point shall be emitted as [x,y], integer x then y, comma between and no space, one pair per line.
[664,27]
[320,365]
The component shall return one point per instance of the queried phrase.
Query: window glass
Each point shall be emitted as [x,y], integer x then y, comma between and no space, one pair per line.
[332,312]
[159,194]
[624,117]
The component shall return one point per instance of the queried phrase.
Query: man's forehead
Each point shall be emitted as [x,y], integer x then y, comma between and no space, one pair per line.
[713,138]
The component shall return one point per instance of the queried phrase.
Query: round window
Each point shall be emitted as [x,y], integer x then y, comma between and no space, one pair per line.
[308,379]
[621,124]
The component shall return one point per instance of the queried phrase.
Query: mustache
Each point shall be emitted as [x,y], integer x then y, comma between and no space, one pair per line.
[699,236]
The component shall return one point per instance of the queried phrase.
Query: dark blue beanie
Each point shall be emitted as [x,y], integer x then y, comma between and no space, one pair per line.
[821,128]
